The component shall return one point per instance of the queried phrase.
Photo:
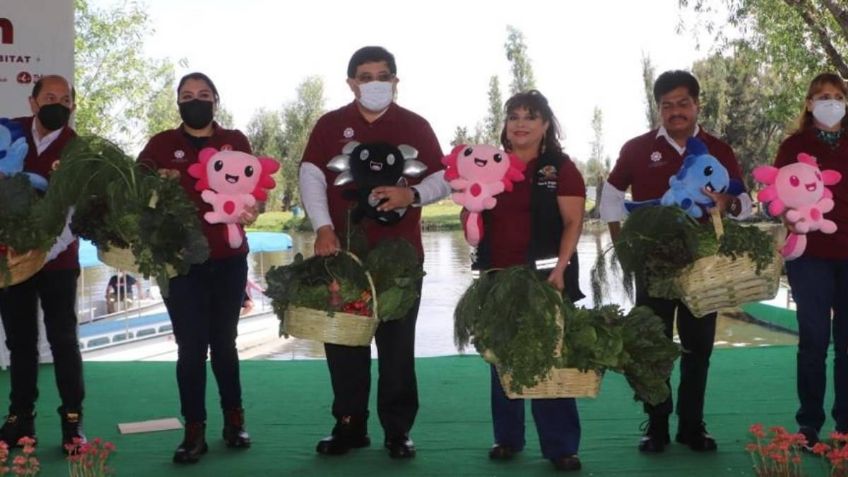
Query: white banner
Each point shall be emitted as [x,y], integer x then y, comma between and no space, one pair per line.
[36,39]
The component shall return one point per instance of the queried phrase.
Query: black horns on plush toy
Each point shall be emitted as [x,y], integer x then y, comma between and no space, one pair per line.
[370,165]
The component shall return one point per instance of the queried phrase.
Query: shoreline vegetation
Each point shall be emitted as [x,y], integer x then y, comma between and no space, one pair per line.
[441,216]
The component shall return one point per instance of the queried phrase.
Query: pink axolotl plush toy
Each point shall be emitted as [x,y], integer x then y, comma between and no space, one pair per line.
[798,191]
[478,173]
[231,181]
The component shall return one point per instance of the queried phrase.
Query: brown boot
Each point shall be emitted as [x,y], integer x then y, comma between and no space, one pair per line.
[235,434]
[193,445]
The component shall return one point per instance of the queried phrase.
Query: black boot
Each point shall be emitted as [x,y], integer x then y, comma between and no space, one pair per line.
[656,435]
[193,445]
[235,434]
[16,426]
[72,436]
[350,432]
[696,437]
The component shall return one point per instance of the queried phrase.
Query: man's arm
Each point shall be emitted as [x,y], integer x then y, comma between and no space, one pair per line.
[612,209]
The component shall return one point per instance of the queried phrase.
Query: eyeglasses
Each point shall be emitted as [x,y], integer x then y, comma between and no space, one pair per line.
[367,78]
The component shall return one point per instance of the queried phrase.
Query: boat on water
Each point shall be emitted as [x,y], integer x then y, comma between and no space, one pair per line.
[105,334]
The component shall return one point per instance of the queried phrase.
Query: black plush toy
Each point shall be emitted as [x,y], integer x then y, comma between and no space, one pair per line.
[372,165]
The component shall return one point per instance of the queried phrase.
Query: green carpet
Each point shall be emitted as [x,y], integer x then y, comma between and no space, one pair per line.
[287,410]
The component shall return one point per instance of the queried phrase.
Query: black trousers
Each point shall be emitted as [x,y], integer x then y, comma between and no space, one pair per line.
[397,385]
[57,291]
[696,338]
[204,306]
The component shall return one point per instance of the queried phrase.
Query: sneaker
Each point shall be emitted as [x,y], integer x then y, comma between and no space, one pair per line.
[655,435]
[17,426]
[697,438]
[811,435]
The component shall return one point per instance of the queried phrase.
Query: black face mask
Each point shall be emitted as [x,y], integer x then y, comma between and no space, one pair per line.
[197,114]
[54,116]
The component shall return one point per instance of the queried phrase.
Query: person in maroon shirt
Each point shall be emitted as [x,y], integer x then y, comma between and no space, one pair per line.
[819,278]
[538,224]
[204,305]
[372,117]
[645,165]
[55,286]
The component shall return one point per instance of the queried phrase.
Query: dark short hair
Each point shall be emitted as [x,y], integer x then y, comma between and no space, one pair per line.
[39,84]
[198,77]
[536,103]
[370,54]
[671,80]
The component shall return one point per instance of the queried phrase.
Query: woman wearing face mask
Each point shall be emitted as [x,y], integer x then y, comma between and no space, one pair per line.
[819,278]
[204,304]
[538,222]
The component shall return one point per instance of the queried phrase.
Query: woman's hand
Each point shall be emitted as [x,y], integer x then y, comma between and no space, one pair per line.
[169,173]
[557,279]
[248,215]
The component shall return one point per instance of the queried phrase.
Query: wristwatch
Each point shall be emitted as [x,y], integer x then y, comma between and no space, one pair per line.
[416,196]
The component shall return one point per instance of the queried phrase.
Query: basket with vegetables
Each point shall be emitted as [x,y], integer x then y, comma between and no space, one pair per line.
[138,220]
[707,266]
[24,235]
[545,348]
[515,321]
[341,299]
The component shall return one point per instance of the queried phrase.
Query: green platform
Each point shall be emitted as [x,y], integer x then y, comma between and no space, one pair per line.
[287,412]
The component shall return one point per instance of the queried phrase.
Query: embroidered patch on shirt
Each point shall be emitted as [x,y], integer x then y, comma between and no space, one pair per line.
[656,156]
[348,133]
[179,156]
[547,177]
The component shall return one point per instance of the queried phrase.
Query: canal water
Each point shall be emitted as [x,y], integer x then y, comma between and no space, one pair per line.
[447,264]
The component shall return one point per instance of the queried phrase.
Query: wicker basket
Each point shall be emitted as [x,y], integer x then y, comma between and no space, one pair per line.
[565,382]
[118,258]
[718,281]
[341,328]
[123,259]
[23,266]
[559,383]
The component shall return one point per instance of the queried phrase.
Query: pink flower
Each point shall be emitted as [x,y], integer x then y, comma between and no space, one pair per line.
[757,430]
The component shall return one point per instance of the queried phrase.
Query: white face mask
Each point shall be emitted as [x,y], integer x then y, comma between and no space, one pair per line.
[376,95]
[829,111]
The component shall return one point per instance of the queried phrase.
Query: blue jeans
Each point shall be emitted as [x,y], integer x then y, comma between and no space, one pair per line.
[557,422]
[819,288]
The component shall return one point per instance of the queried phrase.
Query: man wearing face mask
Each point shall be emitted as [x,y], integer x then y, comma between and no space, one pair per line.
[371,117]
[55,286]
[645,165]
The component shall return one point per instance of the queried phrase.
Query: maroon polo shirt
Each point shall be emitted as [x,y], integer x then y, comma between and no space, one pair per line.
[396,126]
[646,163]
[821,245]
[172,149]
[43,166]
[509,223]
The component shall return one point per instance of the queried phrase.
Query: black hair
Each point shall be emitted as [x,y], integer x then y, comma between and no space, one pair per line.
[671,80]
[536,103]
[199,77]
[370,54]
[39,84]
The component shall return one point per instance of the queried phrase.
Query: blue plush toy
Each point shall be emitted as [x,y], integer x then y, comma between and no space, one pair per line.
[700,171]
[13,151]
